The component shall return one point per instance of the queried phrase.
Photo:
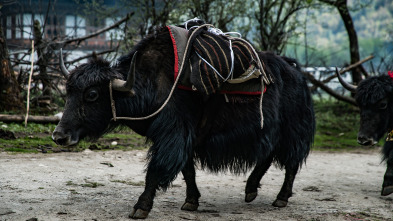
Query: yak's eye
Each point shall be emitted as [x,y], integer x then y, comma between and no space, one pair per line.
[91,95]
[383,104]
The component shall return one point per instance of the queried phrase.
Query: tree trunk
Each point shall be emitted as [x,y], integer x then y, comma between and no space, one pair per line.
[42,61]
[10,99]
[342,8]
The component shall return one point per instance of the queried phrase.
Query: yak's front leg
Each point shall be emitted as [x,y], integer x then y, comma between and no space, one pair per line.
[286,189]
[145,202]
[387,186]
[192,192]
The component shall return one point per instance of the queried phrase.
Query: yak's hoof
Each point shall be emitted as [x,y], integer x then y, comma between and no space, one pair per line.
[251,196]
[280,203]
[387,190]
[189,206]
[138,214]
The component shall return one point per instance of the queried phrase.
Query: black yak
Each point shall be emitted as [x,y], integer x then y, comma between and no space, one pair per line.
[192,128]
[374,96]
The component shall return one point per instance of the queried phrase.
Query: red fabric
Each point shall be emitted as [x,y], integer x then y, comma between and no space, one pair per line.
[176,69]
[390,73]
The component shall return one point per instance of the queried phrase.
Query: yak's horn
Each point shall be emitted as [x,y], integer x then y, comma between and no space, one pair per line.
[64,70]
[346,85]
[121,85]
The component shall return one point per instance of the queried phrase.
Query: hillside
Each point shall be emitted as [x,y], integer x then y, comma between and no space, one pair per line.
[327,39]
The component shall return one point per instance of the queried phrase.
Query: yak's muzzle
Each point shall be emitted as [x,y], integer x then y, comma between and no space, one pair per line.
[366,141]
[60,137]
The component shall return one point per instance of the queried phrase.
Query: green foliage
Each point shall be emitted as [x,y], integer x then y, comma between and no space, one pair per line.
[337,126]
[323,34]
[30,129]
[36,138]
[19,150]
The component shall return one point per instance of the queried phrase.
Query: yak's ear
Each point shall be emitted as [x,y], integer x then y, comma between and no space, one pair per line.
[94,56]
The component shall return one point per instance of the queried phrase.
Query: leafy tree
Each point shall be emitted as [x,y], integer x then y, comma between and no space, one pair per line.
[225,15]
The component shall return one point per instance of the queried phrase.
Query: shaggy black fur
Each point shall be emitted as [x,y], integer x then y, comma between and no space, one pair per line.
[374,96]
[195,128]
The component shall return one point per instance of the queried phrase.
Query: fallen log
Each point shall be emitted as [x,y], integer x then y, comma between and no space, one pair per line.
[35,119]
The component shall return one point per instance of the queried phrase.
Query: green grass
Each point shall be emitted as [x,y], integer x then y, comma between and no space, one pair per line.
[31,128]
[86,184]
[337,124]
[20,150]
[36,138]
[131,183]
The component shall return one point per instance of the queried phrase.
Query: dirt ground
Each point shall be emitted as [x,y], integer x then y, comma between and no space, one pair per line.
[105,185]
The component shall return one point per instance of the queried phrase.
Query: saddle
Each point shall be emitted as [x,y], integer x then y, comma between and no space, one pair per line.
[216,63]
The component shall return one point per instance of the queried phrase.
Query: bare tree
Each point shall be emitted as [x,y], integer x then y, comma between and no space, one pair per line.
[277,21]
[150,13]
[342,7]
[46,68]
[221,13]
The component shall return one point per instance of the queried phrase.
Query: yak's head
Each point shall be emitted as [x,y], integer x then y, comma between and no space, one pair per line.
[87,111]
[374,97]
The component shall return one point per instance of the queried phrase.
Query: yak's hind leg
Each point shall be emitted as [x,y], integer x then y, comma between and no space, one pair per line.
[286,189]
[192,192]
[387,186]
[253,181]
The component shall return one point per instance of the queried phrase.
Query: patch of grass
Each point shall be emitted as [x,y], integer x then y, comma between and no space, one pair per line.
[20,150]
[70,183]
[37,138]
[73,191]
[31,128]
[86,184]
[91,184]
[131,183]
[337,125]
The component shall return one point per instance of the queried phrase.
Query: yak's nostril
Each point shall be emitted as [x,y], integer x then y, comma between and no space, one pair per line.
[366,141]
[62,141]
[60,138]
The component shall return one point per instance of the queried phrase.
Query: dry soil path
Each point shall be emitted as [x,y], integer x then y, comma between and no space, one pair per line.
[105,185]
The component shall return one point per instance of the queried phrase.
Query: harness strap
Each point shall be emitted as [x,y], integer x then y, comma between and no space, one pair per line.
[264,79]
[170,93]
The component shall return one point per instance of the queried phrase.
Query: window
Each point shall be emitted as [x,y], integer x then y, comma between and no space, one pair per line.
[18,27]
[75,26]
[27,26]
[8,25]
[25,22]
[113,34]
